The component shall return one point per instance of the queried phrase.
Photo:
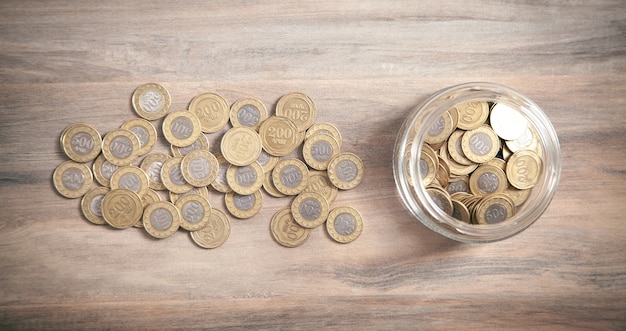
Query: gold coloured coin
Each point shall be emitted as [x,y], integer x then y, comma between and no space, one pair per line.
[507,122]
[325,128]
[151,197]
[497,162]
[487,179]
[458,184]
[299,108]
[440,130]
[427,169]
[215,233]
[131,178]
[267,161]
[245,180]
[455,149]
[286,231]
[241,146]
[121,208]
[181,128]
[528,140]
[172,176]
[161,219]
[103,170]
[428,150]
[319,149]
[220,183]
[518,196]
[202,191]
[319,182]
[72,179]
[144,131]
[200,168]
[201,143]
[279,135]
[441,199]
[195,212]
[345,171]
[243,206]
[81,142]
[248,112]
[524,169]
[460,212]
[481,144]
[472,114]
[494,208]
[120,147]
[344,224]
[309,209]
[270,188]
[212,111]
[91,205]
[151,101]
[290,176]
[152,165]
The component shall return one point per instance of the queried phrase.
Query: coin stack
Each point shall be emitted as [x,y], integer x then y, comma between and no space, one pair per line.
[479,162]
[258,151]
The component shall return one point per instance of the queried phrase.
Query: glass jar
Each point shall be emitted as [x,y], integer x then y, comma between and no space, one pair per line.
[408,175]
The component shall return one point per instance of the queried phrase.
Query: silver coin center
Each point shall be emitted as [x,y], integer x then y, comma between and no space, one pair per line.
[346,170]
[345,224]
[82,143]
[248,115]
[244,202]
[437,127]
[95,205]
[193,212]
[176,176]
[131,182]
[495,213]
[459,186]
[108,169]
[161,219]
[263,158]
[310,209]
[188,149]
[423,168]
[488,182]
[480,143]
[291,176]
[151,101]
[73,179]
[321,151]
[181,127]
[245,176]
[141,133]
[221,174]
[199,168]
[121,147]
[154,171]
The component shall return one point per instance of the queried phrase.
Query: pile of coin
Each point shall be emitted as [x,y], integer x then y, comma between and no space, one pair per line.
[259,151]
[479,161]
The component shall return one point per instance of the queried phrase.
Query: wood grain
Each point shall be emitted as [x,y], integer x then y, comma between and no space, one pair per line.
[366,64]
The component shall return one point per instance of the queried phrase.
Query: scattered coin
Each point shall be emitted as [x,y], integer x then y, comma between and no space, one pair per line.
[310,209]
[241,146]
[243,206]
[201,191]
[199,168]
[319,182]
[286,231]
[72,179]
[245,180]
[152,165]
[279,135]
[319,149]
[201,143]
[195,212]
[267,161]
[151,101]
[299,108]
[172,176]
[81,142]
[290,176]
[215,233]
[121,208]
[161,219]
[103,170]
[345,171]
[220,183]
[131,178]
[212,111]
[145,132]
[181,128]
[91,205]
[248,112]
[325,128]
[270,188]
[120,147]
[344,224]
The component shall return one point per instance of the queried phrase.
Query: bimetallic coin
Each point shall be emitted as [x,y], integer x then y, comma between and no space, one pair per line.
[201,191]
[286,231]
[145,132]
[200,168]
[325,128]
[458,184]
[195,212]
[172,176]
[267,161]
[344,224]
[151,101]
[460,212]
[245,180]
[440,130]
[72,179]
[103,170]
[270,188]
[131,178]
[181,128]
[441,199]
[318,150]
[221,183]
[518,196]
[299,108]
[152,165]
[279,135]
[201,143]
[487,179]
[247,112]
[243,206]
[319,183]
[456,150]
[427,171]
[481,144]
[161,219]
[528,140]
[497,162]
[91,205]
[345,171]
[507,122]
[120,147]
[212,111]
[494,208]
[81,142]
[290,176]
[121,208]
[215,233]
[472,114]
[524,169]
[241,146]
[309,209]
[150,198]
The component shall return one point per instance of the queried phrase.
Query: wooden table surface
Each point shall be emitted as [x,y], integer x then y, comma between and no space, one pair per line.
[365,64]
